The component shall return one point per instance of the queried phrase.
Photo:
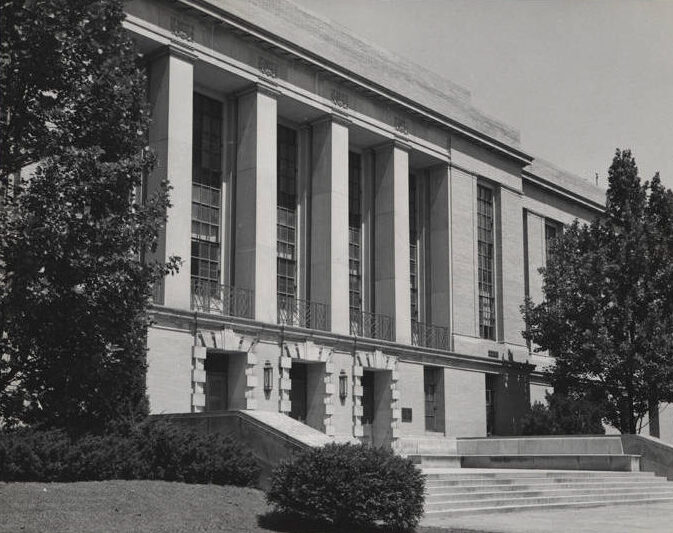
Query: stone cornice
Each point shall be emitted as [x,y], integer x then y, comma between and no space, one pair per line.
[284,47]
[186,321]
[555,188]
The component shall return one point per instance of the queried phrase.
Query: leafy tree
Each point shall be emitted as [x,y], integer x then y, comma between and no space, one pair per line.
[563,415]
[74,283]
[607,313]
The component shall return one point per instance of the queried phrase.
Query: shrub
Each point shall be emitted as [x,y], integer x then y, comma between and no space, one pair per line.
[174,453]
[150,450]
[349,485]
[29,455]
[563,415]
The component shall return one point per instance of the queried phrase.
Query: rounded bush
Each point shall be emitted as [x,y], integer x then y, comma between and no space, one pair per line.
[350,485]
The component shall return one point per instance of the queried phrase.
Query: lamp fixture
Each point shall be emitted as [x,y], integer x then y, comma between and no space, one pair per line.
[268,377]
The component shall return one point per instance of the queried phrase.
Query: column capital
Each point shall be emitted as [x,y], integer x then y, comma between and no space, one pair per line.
[333,116]
[392,143]
[173,49]
[259,87]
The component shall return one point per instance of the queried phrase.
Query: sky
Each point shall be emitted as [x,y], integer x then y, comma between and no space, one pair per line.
[578,79]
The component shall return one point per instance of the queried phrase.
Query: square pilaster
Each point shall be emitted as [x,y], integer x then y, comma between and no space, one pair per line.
[171,75]
[391,236]
[329,220]
[255,254]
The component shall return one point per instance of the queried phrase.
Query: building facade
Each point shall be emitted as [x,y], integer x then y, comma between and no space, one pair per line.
[357,239]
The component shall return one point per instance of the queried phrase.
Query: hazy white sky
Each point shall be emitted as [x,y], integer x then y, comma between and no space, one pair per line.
[577,78]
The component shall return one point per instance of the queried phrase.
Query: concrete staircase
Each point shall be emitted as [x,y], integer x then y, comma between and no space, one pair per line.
[467,490]
[504,474]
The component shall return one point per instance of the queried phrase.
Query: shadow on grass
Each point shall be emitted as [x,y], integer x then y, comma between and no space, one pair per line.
[285,523]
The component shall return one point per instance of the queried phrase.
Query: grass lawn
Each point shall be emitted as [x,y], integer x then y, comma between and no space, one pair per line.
[142,506]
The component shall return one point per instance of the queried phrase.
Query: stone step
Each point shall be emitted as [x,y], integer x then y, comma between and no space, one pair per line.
[460,489]
[447,482]
[488,473]
[565,461]
[533,507]
[439,460]
[500,501]
[530,495]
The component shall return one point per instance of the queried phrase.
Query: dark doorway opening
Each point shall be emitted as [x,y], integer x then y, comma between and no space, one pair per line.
[430,385]
[216,367]
[490,403]
[298,393]
[368,407]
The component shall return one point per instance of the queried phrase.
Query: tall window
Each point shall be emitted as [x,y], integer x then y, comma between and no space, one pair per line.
[206,189]
[287,213]
[354,233]
[413,248]
[550,234]
[485,243]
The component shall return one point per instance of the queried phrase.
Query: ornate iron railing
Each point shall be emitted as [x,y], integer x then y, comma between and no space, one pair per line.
[302,313]
[372,325]
[429,336]
[222,299]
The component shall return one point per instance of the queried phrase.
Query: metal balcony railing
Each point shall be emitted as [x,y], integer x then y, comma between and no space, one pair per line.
[222,299]
[302,313]
[372,325]
[429,336]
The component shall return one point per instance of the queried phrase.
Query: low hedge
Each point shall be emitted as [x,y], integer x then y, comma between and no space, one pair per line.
[349,486]
[151,450]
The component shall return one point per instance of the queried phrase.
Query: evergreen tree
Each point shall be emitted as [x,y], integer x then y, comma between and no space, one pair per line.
[74,283]
[607,313]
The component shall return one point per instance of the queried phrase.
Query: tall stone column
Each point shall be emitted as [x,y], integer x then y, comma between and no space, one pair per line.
[391,236]
[255,244]
[171,89]
[329,220]
[511,266]
[440,247]
[463,253]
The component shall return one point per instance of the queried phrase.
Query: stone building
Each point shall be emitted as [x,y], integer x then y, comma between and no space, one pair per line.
[357,239]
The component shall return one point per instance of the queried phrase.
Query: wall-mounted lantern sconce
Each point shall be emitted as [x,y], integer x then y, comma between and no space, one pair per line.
[268,377]
[343,385]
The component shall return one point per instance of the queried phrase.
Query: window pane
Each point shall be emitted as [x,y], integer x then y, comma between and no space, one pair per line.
[485,262]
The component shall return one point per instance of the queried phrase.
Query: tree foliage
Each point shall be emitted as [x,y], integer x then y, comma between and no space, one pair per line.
[563,415]
[75,286]
[607,314]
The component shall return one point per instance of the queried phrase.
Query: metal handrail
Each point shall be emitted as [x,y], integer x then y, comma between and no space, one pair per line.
[429,335]
[224,300]
[302,313]
[372,325]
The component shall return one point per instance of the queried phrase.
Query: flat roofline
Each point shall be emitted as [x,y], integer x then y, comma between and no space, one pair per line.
[565,183]
[441,101]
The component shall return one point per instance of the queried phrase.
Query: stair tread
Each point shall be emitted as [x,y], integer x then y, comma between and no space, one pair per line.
[592,503]
[525,490]
[501,498]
